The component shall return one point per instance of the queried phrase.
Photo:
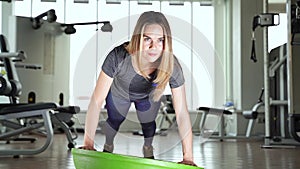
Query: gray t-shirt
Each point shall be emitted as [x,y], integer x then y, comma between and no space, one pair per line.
[127,82]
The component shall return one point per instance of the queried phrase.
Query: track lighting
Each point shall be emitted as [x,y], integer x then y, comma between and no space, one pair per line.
[51,17]
[70,29]
[38,21]
[106,27]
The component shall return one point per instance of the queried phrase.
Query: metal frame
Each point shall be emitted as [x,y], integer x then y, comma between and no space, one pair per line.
[44,113]
[286,96]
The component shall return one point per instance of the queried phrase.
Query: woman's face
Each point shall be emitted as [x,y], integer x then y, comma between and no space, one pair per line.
[153,42]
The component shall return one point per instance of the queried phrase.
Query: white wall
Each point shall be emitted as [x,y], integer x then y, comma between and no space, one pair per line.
[247,75]
[47,47]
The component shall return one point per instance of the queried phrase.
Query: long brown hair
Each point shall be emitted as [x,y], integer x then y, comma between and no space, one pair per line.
[165,68]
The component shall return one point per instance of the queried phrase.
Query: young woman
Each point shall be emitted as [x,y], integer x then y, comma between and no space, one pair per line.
[138,72]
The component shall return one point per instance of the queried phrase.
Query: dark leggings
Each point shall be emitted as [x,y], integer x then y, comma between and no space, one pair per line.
[117,109]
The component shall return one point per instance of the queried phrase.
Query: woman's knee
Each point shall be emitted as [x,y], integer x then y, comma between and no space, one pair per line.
[115,121]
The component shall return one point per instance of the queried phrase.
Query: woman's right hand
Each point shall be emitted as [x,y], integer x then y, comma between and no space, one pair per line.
[88,148]
[186,162]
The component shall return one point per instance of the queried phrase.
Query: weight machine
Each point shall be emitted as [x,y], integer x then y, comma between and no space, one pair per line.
[13,114]
[282,95]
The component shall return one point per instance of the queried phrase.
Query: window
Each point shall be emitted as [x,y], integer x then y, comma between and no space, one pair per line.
[193,42]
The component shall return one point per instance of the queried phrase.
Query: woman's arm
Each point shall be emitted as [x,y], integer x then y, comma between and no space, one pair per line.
[92,116]
[184,123]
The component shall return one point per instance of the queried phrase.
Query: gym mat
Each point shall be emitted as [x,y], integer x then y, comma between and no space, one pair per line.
[87,159]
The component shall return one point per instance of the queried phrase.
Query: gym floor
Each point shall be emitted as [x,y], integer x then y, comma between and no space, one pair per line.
[210,153]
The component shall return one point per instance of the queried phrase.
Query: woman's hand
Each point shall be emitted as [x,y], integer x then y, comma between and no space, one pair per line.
[87,148]
[186,162]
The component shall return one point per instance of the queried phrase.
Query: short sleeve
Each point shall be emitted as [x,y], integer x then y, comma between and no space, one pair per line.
[113,60]
[177,78]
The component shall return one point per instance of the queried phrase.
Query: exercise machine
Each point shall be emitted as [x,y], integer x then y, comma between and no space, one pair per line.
[13,115]
[293,51]
[252,114]
[281,96]
[167,115]
[219,113]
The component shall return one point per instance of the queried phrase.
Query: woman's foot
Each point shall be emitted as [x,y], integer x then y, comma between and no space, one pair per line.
[108,148]
[148,152]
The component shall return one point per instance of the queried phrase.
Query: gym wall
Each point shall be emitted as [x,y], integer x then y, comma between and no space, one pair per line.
[47,47]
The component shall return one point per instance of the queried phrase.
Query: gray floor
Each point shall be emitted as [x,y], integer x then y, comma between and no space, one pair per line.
[210,154]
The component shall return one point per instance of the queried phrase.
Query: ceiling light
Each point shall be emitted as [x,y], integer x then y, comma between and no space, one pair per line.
[70,29]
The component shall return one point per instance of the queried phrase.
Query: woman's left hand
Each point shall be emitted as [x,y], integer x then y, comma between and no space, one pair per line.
[186,162]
